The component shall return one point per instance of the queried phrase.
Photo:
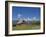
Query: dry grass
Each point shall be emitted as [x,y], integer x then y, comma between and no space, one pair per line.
[26,27]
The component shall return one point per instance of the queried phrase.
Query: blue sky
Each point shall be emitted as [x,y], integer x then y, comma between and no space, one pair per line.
[25,12]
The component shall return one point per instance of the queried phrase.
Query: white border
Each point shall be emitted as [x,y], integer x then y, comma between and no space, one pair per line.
[23,31]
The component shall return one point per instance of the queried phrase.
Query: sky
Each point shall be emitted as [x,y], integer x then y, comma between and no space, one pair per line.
[31,12]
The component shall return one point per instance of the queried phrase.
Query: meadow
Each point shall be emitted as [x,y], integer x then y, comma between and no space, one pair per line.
[26,27]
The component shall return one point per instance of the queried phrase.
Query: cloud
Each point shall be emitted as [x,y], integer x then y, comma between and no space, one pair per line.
[34,18]
[19,15]
[29,19]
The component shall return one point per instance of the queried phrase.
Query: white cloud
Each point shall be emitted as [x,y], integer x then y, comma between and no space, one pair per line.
[34,18]
[19,15]
[29,18]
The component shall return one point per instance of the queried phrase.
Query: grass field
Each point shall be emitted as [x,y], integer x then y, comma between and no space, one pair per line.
[26,27]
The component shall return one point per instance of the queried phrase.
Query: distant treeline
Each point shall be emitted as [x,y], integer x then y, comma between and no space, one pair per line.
[31,22]
[36,22]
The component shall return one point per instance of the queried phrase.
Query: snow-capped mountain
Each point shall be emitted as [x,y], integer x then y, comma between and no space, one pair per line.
[20,20]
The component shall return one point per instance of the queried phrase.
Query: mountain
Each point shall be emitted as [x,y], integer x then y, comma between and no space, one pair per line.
[23,20]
